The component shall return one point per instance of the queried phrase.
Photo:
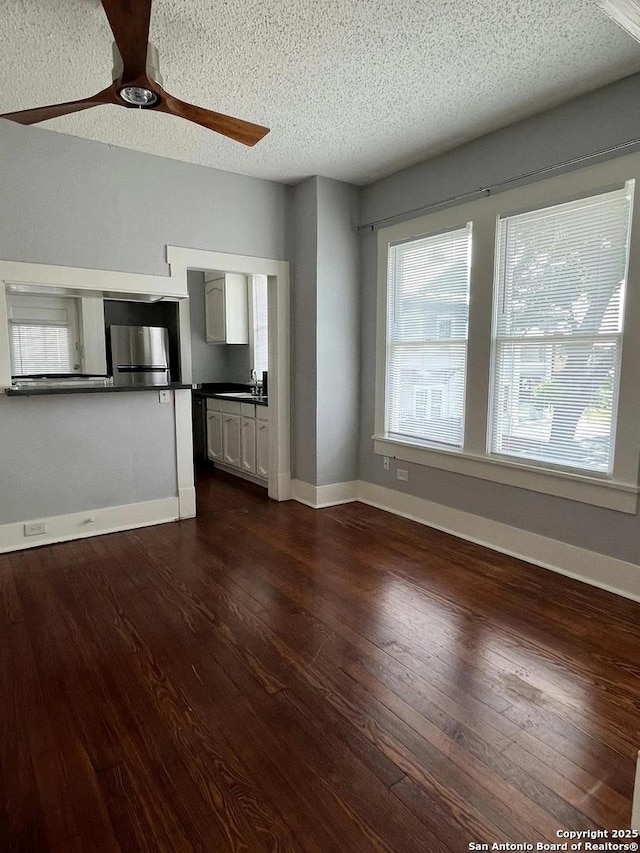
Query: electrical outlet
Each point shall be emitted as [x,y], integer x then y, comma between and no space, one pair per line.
[35,528]
[402,474]
[385,463]
[164,396]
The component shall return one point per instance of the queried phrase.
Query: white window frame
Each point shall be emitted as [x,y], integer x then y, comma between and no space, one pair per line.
[619,491]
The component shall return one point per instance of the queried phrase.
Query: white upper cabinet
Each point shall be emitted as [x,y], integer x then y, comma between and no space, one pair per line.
[226,308]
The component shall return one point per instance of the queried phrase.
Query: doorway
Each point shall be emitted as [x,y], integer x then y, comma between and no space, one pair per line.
[276,274]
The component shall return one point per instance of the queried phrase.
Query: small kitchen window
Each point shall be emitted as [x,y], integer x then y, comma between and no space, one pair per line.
[259,323]
[43,335]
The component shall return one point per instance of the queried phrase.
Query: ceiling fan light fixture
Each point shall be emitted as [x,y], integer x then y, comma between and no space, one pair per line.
[138,96]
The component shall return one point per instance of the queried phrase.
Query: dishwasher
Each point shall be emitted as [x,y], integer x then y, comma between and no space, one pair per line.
[199,416]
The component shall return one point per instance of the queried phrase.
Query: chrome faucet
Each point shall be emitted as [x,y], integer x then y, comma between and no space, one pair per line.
[255,385]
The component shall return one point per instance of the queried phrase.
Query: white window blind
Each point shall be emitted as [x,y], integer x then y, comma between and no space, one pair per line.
[260,314]
[39,349]
[43,335]
[559,299]
[428,311]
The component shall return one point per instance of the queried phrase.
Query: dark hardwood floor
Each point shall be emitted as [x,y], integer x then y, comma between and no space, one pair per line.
[270,677]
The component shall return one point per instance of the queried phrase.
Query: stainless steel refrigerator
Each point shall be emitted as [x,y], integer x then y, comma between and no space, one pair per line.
[139,355]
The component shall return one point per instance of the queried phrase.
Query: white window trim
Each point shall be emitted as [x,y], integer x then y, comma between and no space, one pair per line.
[620,490]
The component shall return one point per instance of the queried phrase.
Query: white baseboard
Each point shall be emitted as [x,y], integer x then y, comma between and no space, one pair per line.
[280,487]
[318,497]
[635,810]
[607,573]
[79,525]
[187,502]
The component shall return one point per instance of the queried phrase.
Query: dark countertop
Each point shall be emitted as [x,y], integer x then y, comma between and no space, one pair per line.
[222,390]
[106,389]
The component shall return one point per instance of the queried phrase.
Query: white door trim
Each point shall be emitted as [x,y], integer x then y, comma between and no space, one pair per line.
[184,452]
[181,260]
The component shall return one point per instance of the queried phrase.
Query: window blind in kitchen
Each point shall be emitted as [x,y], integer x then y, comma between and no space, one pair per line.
[39,349]
[260,325]
[427,316]
[43,334]
[557,331]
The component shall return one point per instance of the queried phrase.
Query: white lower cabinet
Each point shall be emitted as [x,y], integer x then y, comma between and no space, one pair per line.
[238,437]
[262,448]
[214,436]
[231,441]
[248,444]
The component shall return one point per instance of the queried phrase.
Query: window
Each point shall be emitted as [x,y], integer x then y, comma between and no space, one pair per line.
[559,299]
[259,324]
[427,337]
[518,362]
[43,336]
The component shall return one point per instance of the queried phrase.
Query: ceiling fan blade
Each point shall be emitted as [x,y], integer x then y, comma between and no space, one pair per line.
[234,128]
[107,96]
[129,22]
[626,13]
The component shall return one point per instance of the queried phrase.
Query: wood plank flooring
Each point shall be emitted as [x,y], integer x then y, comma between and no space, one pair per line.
[270,677]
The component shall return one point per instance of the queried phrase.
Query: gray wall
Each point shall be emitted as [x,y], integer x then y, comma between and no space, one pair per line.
[238,363]
[338,332]
[304,223]
[83,452]
[604,118]
[325,332]
[73,202]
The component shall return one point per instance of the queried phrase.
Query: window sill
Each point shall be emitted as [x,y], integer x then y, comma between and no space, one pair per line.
[622,497]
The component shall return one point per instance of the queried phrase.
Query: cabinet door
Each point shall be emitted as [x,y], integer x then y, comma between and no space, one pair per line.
[248,444]
[231,439]
[262,449]
[214,308]
[236,305]
[214,435]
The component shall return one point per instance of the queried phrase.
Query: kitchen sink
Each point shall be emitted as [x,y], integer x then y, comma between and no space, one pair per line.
[245,395]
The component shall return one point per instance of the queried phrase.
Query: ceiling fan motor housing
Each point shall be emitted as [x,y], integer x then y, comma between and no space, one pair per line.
[139,96]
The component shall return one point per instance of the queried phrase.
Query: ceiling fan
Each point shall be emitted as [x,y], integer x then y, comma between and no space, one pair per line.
[137,81]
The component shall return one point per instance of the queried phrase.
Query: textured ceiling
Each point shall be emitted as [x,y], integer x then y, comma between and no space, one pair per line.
[351,89]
